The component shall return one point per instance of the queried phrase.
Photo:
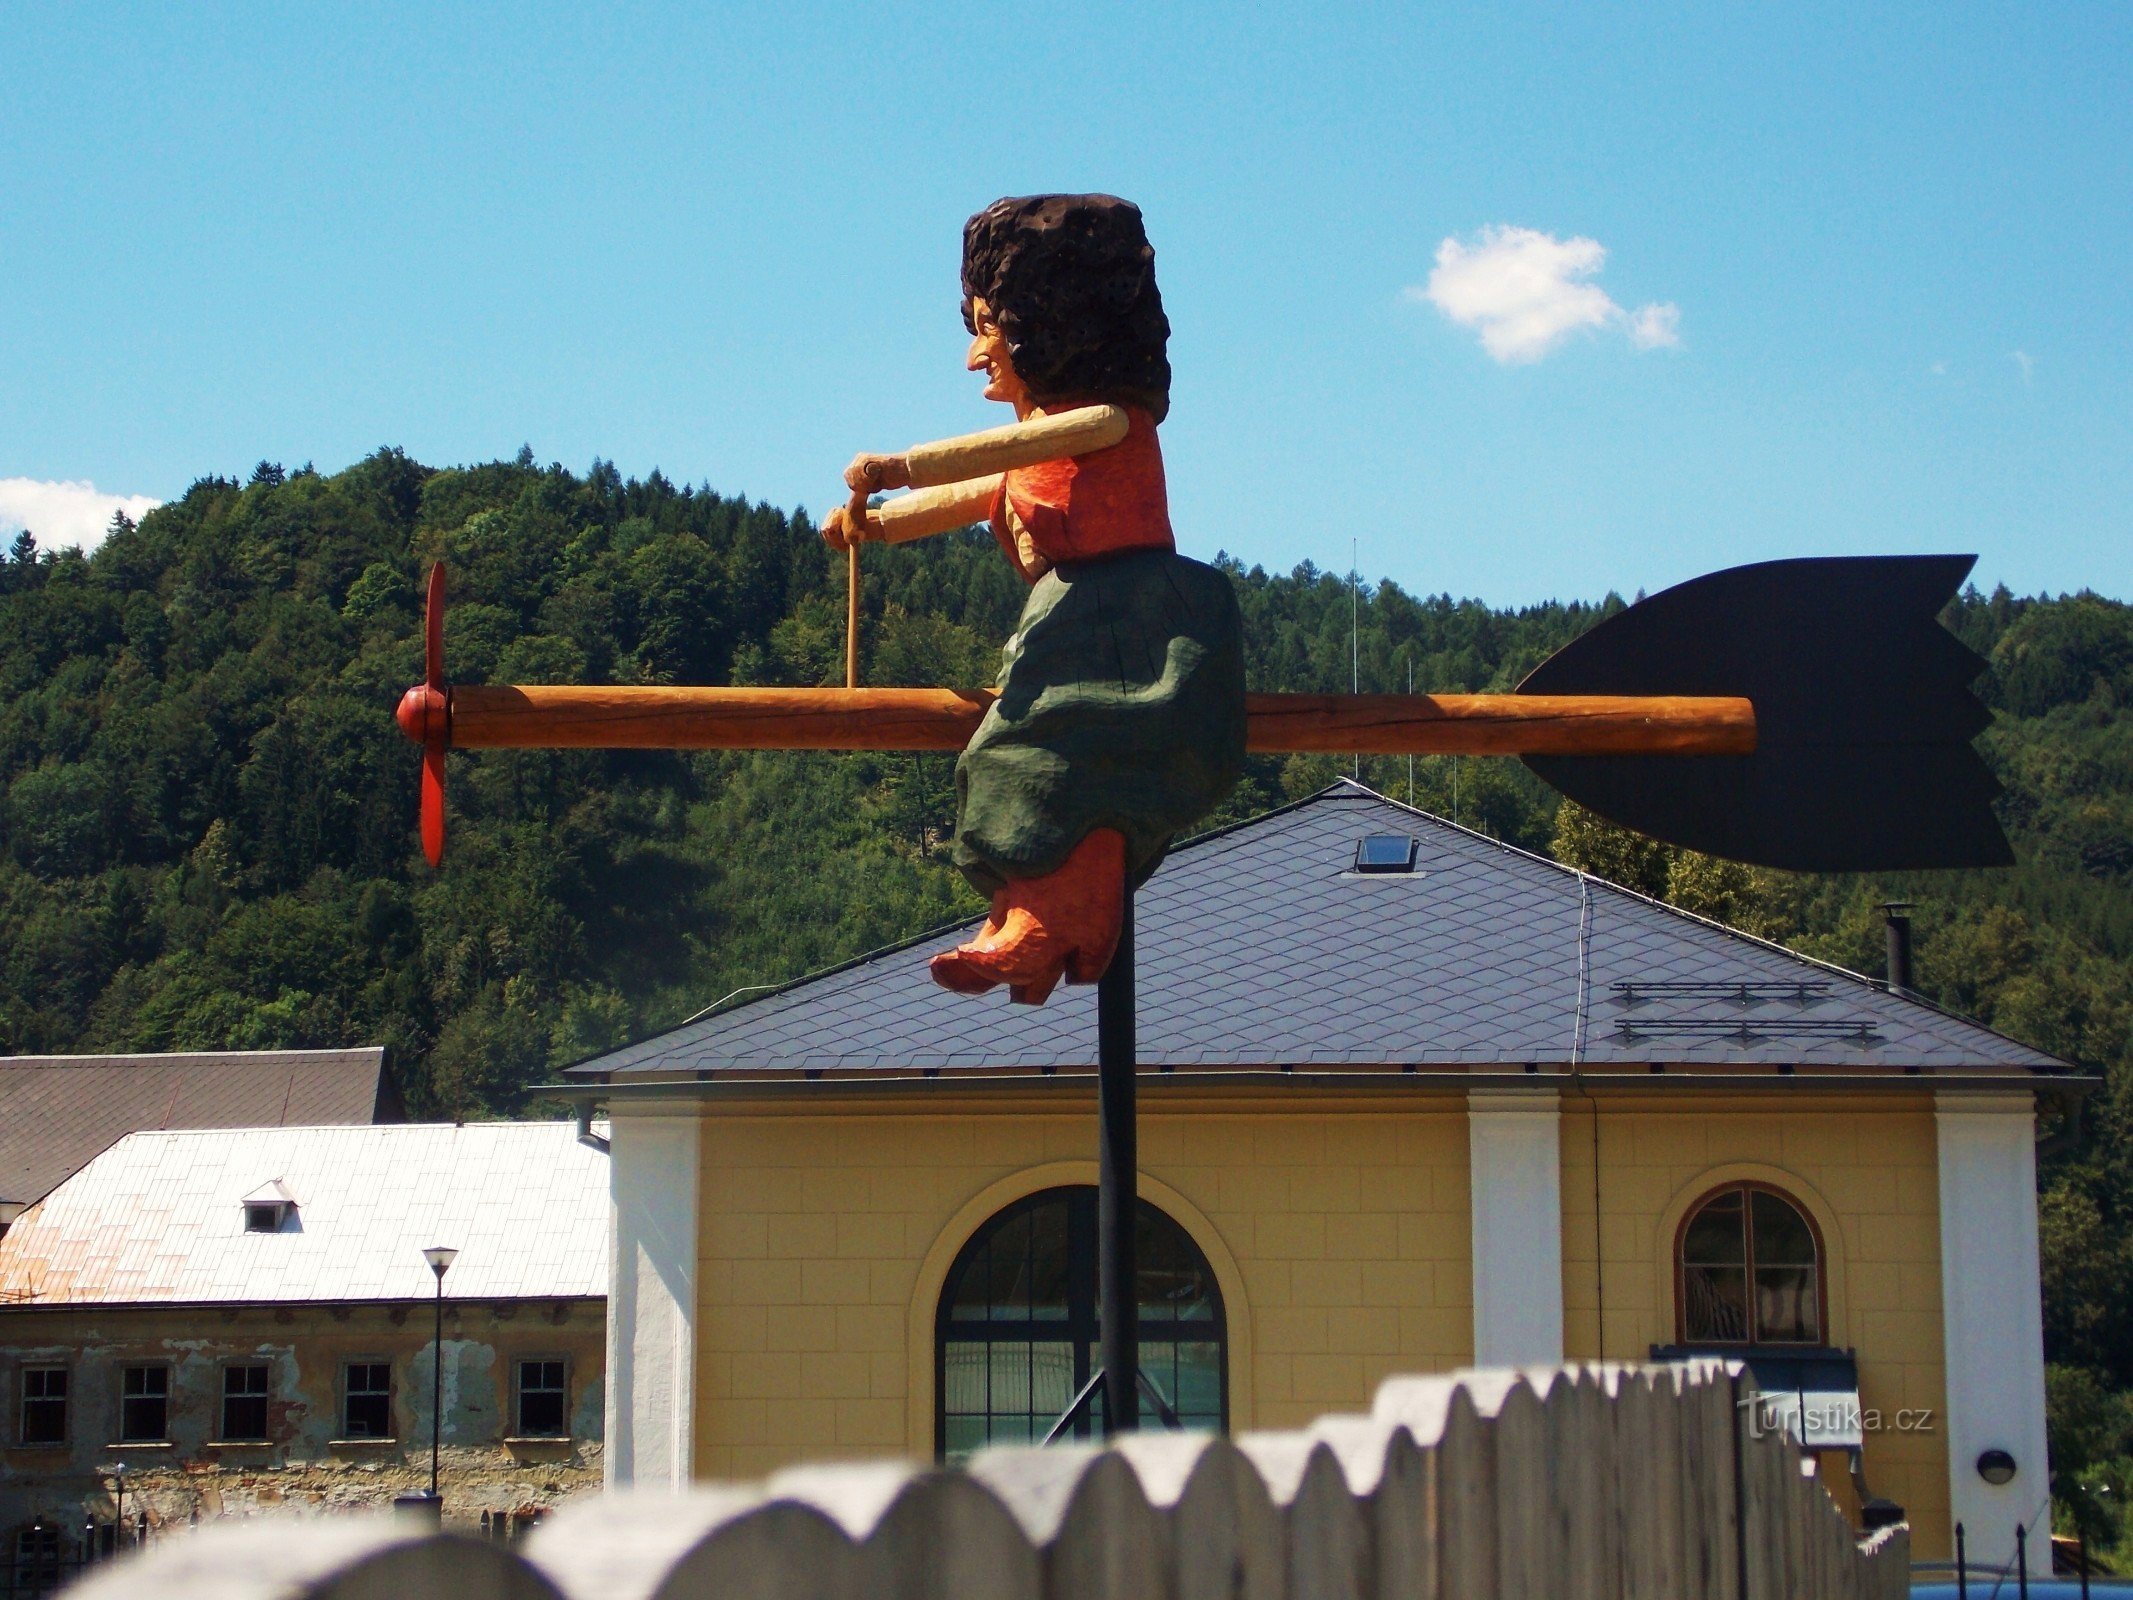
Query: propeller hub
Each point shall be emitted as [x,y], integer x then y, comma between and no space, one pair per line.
[424,713]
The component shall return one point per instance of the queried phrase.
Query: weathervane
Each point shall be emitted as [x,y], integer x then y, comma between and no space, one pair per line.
[1808,714]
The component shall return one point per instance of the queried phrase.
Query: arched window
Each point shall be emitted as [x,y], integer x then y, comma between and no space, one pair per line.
[1749,1270]
[1015,1337]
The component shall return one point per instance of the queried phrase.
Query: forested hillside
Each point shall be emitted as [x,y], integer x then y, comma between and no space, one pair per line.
[209,816]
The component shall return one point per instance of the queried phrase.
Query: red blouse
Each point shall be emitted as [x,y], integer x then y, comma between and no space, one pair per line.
[1101,504]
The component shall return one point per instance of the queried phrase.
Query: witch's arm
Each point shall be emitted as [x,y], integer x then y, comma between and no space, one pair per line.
[1019,444]
[955,479]
[925,512]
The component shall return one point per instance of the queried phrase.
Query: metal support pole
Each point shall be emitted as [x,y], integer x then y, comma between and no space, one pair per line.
[1116,1194]
[437,1390]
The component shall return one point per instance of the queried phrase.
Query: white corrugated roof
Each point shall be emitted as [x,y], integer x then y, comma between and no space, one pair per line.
[160,1217]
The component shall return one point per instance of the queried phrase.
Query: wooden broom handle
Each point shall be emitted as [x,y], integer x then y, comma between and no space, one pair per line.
[855,520]
[851,614]
[656,717]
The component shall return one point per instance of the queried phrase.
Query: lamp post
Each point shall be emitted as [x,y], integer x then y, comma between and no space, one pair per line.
[440,1258]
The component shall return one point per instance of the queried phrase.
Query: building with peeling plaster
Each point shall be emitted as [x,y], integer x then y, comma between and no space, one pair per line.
[242,1319]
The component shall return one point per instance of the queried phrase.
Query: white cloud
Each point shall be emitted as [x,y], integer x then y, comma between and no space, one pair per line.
[73,512]
[1656,326]
[1528,291]
[2025,361]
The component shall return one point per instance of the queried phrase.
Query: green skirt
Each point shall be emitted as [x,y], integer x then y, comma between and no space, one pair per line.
[1121,706]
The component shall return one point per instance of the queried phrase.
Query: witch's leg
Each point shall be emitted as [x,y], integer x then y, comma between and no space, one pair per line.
[1062,924]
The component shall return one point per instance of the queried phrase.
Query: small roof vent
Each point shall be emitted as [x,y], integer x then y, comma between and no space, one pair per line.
[1386,852]
[268,1207]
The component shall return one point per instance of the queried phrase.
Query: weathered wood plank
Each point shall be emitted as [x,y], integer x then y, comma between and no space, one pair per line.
[1571,1483]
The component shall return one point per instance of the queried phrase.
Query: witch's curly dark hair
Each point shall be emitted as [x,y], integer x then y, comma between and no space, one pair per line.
[1071,280]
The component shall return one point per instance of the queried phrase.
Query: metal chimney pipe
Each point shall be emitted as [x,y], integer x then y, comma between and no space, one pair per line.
[1898,913]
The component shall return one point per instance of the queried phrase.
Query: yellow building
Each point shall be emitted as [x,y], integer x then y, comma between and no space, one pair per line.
[1473,1109]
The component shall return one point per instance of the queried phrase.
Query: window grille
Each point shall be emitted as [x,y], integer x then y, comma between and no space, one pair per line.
[1017,1329]
[1749,1269]
[542,1400]
[43,1417]
[368,1407]
[244,1401]
[144,1405]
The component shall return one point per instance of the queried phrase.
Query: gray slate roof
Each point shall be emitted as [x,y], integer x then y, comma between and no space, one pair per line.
[58,1112]
[1261,948]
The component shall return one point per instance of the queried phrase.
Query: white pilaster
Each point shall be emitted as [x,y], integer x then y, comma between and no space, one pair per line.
[1515,1144]
[651,1298]
[1993,1321]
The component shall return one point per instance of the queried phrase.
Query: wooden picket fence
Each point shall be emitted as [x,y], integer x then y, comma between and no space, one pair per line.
[1579,1483]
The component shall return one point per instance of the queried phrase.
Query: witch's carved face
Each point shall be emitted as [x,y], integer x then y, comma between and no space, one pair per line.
[990,355]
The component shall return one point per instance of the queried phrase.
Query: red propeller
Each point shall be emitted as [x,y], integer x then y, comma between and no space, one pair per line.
[425,716]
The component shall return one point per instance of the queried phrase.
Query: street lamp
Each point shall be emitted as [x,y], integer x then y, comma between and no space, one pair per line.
[440,1257]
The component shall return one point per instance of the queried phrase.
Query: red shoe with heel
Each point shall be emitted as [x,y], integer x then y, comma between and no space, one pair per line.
[1064,924]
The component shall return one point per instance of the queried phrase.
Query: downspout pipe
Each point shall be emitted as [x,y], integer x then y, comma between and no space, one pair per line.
[586,1135]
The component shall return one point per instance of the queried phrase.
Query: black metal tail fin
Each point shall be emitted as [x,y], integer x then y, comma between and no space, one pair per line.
[1863,709]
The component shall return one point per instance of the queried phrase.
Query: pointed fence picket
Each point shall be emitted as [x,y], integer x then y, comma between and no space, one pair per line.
[1566,1483]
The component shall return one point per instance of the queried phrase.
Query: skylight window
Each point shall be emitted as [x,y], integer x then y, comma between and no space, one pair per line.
[1386,852]
[268,1207]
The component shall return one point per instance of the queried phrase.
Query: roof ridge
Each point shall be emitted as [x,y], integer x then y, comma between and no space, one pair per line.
[350,1128]
[163,1058]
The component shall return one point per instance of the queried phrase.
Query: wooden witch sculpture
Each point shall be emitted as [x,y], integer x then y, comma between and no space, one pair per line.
[1120,719]
[1807,714]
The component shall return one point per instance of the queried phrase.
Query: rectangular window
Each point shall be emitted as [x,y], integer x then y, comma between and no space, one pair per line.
[43,1417]
[144,1405]
[542,1400]
[244,1401]
[369,1409]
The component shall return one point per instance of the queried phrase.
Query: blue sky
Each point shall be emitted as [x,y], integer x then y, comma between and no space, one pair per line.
[1890,247]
